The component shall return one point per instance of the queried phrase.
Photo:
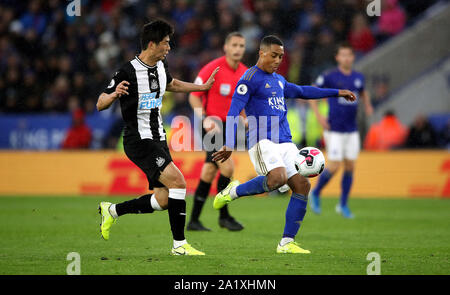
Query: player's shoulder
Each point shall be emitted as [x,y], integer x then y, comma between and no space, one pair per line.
[358,74]
[250,75]
[330,73]
[214,63]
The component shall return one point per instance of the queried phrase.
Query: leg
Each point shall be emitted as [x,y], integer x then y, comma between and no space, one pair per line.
[351,151]
[172,178]
[225,219]
[144,204]
[298,202]
[226,172]
[295,213]
[276,178]
[335,153]
[209,171]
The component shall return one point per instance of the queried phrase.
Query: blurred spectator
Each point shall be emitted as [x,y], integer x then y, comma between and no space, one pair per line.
[392,19]
[79,135]
[387,134]
[381,90]
[360,36]
[421,134]
[50,62]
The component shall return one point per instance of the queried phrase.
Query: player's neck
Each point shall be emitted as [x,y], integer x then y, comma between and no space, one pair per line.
[260,65]
[147,58]
[345,71]
[234,64]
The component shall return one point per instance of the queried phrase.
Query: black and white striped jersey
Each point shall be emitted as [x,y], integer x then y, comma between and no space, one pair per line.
[141,108]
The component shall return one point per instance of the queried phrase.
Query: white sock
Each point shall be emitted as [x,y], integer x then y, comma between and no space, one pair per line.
[233,193]
[112,210]
[154,203]
[177,244]
[285,241]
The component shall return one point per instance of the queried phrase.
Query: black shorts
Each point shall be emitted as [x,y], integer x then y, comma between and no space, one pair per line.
[151,156]
[209,157]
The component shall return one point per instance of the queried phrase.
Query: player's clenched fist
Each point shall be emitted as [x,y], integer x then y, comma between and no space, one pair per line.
[122,88]
[347,94]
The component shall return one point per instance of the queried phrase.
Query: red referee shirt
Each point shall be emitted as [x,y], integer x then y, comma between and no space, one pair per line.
[217,100]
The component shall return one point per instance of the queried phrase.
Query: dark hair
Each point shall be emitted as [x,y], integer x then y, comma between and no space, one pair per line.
[269,40]
[155,31]
[233,34]
[343,45]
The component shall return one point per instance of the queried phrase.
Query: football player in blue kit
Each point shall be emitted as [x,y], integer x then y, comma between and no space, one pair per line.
[261,92]
[340,128]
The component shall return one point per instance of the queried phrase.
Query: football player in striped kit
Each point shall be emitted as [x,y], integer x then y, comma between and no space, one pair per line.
[139,85]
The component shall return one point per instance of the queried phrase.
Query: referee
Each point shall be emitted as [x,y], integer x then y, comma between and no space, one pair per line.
[215,103]
[139,85]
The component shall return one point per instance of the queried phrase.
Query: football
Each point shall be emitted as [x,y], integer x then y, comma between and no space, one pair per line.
[310,162]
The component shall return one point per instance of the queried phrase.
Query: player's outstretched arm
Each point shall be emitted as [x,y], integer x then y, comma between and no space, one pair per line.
[105,100]
[182,86]
[310,92]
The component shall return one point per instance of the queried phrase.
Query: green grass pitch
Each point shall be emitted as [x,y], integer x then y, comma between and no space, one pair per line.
[412,237]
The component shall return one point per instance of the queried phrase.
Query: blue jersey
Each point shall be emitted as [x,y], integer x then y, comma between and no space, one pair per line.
[262,96]
[342,113]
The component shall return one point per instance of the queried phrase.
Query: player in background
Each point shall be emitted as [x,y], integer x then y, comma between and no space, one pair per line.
[261,92]
[340,128]
[140,85]
[216,102]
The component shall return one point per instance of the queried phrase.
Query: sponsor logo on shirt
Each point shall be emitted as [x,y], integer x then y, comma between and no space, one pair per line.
[148,101]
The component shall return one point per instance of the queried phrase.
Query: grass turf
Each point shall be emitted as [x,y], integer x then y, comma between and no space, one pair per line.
[412,237]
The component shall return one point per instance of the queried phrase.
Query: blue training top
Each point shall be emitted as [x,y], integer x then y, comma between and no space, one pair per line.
[342,113]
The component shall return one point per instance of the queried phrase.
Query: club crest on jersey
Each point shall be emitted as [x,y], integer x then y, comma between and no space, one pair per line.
[160,161]
[153,85]
[358,83]
[111,84]
[148,101]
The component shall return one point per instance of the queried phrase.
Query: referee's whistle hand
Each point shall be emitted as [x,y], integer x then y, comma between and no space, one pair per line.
[122,88]
[209,83]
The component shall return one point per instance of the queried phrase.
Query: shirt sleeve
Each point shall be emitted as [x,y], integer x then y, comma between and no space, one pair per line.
[321,81]
[308,92]
[166,68]
[239,100]
[118,77]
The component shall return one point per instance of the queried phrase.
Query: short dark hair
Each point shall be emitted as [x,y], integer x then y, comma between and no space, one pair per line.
[269,40]
[233,34]
[155,31]
[343,45]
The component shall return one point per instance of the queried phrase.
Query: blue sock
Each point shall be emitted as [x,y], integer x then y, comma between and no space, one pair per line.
[257,185]
[295,212]
[346,184]
[323,180]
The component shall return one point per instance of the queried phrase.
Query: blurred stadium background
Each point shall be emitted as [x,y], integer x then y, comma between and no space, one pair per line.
[53,66]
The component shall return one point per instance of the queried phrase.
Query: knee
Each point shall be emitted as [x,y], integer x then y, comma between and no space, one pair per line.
[179,182]
[277,180]
[227,171]
[163,203]
[208,173]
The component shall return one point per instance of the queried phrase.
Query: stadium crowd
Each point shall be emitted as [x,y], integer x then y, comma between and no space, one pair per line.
[53,62]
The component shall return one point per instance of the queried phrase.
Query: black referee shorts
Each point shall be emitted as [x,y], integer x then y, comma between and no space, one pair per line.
[209,157]
[150,156]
